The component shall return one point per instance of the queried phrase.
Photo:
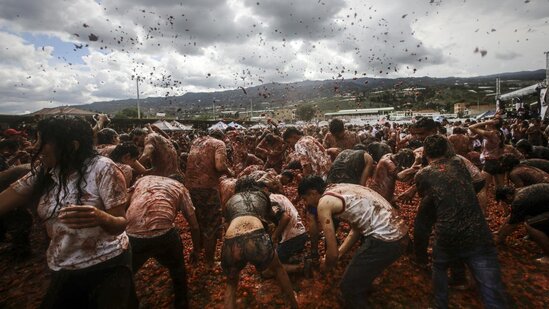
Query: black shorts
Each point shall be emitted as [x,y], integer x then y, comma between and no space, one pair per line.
[540,222]
[492,167]
[291,247]
[255,247]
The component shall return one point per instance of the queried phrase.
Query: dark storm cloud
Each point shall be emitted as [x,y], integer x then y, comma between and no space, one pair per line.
[305,19]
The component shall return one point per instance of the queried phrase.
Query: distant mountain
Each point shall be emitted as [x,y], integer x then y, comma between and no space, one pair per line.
[281,94]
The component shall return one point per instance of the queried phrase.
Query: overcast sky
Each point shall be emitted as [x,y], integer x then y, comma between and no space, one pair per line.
[55,52]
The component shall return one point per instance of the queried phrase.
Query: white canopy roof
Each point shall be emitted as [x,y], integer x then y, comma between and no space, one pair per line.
[219,126]
[236,125]
[181,126]
[258,126]
[165,126]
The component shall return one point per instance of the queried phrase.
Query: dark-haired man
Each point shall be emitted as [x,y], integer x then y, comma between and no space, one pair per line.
[522,175]
[532,152]
[158,152]
[387,170]
[372,219]
[531,206]
[447,193]
[339,139]
[107,139]
[460,141]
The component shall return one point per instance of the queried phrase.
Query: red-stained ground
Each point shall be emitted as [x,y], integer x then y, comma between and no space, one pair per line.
[23,284]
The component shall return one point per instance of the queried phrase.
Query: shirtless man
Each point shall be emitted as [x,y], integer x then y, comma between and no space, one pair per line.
[372,219]
[538,163]
[154,203]
[531,206]
[206,163]
[522,175]
[532,152]
[272,147]
[338,138]
[308,152]
[158,152]
[460,141]
[387,170]
[107,139]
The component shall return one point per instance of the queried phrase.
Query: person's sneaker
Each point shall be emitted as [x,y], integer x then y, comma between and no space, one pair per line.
[543,260]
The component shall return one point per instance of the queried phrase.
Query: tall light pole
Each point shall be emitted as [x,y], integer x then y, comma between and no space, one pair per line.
[547,68]
[498,92]
[138,107]
[251,109]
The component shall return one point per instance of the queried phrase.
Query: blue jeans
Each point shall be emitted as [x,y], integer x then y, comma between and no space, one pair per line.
[483,264]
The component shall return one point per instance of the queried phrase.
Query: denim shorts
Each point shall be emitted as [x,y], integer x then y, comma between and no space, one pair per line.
[255,247]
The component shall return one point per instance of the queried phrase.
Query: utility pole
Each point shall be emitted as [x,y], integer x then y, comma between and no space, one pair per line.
[251,109]
[547,68]
[498,92]
[138,107]
[213,109]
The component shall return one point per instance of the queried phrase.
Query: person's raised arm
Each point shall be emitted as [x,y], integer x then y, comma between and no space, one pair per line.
[480,128]
[147,153]
[156,129]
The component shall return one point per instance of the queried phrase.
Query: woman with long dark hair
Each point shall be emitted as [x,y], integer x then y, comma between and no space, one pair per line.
[247,215]
[81,198]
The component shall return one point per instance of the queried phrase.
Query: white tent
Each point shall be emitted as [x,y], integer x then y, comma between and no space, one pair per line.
[235,125]
[258,126]
[219,126]
[165,126]
[181,126]
[357,122]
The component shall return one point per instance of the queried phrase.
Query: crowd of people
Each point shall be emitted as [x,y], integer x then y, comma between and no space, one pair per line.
[109,202]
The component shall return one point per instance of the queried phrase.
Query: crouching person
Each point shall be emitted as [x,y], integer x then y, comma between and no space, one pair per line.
[372,219]
[247,215]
